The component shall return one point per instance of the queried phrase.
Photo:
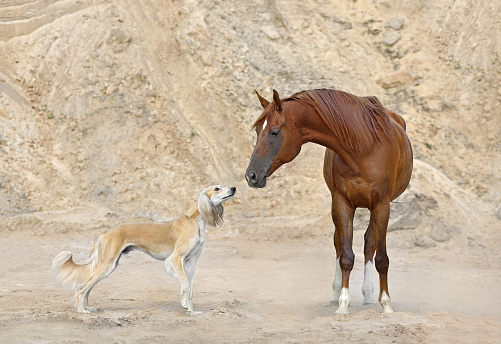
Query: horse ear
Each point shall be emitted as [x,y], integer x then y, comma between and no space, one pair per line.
[276,99]
[264,102]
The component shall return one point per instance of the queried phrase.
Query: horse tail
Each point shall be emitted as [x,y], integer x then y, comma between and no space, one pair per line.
[70,274]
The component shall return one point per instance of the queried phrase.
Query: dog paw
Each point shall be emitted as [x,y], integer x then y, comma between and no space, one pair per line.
[86,310]
[185,304]
[193,313]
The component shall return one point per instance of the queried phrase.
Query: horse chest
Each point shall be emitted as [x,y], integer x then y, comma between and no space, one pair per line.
[360,193]
[359,190]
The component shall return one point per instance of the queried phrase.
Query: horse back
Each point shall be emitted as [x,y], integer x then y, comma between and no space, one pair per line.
[396,117]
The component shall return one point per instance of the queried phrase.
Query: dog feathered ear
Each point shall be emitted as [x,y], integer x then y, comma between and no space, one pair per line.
[213,214]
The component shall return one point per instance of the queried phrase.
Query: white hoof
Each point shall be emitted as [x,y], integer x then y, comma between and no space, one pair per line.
[385,302]
[344,301]
[387,309]
[342,310]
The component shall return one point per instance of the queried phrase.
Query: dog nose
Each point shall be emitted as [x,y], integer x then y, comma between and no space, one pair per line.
[234,189]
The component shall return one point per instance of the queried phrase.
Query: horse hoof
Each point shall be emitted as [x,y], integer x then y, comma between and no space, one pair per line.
[342,310]
[387,309]
[384,299]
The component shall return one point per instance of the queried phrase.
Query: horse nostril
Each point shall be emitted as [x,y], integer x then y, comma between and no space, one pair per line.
[252,176]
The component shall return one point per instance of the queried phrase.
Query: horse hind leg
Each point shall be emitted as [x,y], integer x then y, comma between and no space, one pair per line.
[369,249]
[336,284]
[381,216]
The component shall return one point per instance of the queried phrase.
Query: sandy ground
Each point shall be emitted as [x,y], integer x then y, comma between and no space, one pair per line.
[252,289]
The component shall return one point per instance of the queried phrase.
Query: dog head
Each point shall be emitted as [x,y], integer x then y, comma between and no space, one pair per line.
[210,203]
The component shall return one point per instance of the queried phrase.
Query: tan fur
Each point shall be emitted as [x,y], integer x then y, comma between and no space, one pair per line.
[178,242]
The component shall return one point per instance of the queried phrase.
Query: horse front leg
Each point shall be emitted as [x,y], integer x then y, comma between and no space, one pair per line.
[381,215]
[343,214]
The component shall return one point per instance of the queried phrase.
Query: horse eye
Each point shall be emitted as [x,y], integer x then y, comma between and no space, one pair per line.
[275,132]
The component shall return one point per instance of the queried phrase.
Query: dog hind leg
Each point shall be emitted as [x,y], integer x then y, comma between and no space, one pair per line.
[82,293]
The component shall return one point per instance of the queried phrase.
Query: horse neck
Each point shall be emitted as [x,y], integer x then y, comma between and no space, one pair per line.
[312,128]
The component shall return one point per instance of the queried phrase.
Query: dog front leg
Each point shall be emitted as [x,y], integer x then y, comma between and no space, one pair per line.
[174,268]
[190,266]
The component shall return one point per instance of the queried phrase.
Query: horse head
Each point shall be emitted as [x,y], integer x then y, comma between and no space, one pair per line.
[278,141]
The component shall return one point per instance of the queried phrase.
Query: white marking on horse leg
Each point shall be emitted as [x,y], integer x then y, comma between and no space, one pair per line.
[367,286]
[336,285]
[385,302]
[265,123]
[344,301]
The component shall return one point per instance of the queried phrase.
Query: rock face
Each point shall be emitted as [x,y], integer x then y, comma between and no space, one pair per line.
[405,212]
[497,212]
[396,79]
[270,32]
[391,37]
[134,106]
[396,23]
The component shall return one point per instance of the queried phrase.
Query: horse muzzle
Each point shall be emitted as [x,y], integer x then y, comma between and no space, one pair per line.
[254,180]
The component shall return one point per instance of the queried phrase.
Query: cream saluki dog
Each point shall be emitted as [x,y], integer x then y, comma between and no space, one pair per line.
[178,243]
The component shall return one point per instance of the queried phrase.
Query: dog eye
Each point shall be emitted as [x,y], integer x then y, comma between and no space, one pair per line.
[216,189]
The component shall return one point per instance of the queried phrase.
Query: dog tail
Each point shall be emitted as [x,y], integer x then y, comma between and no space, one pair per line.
[70,274]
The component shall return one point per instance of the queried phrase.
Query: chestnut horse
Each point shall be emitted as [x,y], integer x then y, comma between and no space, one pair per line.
[368,163]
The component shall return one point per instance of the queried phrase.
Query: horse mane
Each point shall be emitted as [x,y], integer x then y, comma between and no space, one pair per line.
[269,111]
[357,121]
